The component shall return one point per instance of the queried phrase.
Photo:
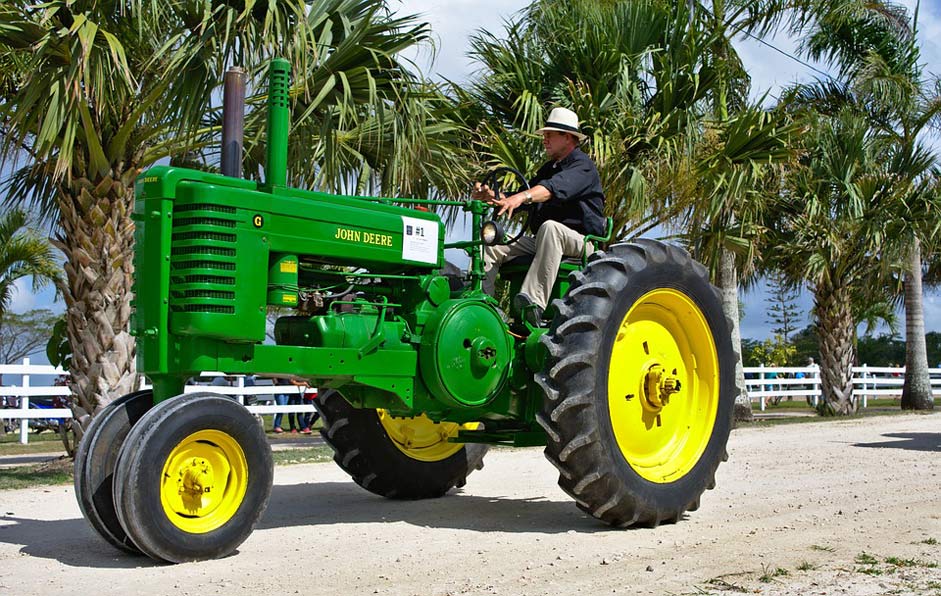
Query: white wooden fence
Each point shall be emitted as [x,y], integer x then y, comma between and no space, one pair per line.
[763,384]
[782,382]
[26,389]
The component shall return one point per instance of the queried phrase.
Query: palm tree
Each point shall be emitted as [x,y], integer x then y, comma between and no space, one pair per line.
[876,52]
[23,253]
[735,179]
[907,106]
[916,220]
[740,146]
[824,228]
[723,229]
[734,175]
[97,92]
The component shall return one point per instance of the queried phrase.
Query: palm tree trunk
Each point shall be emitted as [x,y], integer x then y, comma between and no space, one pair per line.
[97,237]
[727,280]
[916,392]
[836,330]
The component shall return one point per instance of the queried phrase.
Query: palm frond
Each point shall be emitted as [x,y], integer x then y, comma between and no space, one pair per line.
[23,253]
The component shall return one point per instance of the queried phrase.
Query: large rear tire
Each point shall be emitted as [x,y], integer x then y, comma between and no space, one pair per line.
[95,461]
[397,458]
[193,478]
[639,385]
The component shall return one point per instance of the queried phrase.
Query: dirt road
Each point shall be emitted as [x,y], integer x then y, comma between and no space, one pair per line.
[837,508]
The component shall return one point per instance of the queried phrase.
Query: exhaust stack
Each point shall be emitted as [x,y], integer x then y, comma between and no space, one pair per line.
[233,121]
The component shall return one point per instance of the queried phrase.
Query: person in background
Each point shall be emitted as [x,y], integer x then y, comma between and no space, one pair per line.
[309,418]
[296,398]
[222,381]
[281,399]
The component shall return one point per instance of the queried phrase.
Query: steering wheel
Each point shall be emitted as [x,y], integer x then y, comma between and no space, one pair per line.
[494,179]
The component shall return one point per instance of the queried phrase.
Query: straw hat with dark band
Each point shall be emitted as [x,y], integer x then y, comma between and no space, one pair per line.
[563,120]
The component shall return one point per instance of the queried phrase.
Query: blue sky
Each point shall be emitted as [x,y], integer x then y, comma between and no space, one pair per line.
[453,22]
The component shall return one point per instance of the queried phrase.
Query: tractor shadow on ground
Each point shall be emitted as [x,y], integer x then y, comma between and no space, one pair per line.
[930,442]
[71,542]
[316,503]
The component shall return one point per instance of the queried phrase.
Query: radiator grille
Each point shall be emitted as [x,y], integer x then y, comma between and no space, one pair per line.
[202,259]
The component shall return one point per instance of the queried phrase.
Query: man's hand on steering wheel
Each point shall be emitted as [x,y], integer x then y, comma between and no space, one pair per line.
[483,192]
[490,192]
[509,204]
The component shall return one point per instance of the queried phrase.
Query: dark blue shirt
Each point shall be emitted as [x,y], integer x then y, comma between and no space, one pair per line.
[577,200]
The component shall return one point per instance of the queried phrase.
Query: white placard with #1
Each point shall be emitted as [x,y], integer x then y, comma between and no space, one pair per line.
[419,240]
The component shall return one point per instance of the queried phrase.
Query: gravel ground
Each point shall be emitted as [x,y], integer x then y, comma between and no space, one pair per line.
[849,507]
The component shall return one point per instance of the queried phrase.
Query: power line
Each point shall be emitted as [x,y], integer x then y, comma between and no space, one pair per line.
[773,47]
[789,55]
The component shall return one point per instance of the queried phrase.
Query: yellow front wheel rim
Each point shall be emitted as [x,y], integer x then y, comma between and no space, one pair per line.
[663,385]
[204,481]
[421,438]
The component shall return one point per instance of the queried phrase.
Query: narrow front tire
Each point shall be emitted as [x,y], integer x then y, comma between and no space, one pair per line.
[193,478]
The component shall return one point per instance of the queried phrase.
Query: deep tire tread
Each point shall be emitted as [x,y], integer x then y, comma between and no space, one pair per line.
[590,470]
[364,451]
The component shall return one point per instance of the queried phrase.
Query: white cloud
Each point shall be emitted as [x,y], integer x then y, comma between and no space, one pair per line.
[932,307]
[452,24]
[23,298]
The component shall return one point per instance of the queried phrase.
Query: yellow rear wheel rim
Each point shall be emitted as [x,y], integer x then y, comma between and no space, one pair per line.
[204,481]
[663,342]
[421,438]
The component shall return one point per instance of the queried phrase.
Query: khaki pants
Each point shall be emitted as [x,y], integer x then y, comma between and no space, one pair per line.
[553,241]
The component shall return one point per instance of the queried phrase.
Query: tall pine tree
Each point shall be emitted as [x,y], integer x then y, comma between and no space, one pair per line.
[783,313]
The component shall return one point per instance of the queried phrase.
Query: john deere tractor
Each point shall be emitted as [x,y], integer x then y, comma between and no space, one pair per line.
[630,388]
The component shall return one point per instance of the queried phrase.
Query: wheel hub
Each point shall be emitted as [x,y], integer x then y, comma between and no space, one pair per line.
[196,478]
[659,386]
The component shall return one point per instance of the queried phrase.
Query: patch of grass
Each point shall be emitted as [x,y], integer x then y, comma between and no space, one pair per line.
[874,571]
[769,574]
[306,455]
[806,566]
[32,448]
[34,437]
[38,443]
[804,419]
[910,563]
[871,565]
[722,584]
[928,541]
[57,472]
[823,547]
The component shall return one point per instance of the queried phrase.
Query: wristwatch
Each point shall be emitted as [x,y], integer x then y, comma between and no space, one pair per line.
[529,197]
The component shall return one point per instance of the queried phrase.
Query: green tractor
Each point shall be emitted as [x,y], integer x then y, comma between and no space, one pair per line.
[630,389]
